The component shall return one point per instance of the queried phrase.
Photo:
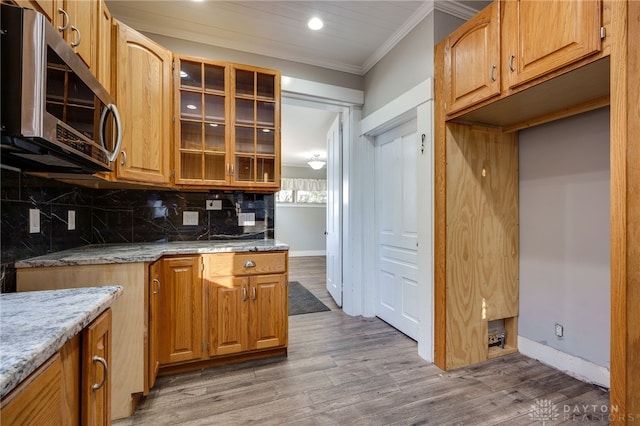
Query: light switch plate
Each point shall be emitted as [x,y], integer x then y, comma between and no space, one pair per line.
[246,219]
[71,220]
[190,218]
[213,204]
[34,221]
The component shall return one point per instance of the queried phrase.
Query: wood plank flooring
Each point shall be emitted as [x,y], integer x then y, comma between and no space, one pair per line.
[345,370]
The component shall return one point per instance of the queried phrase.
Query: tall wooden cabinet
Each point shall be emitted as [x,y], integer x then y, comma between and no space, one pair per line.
[557,80]
[501,71]
[143,95]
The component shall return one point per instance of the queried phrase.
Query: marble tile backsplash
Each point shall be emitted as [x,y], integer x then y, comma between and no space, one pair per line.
[115,216]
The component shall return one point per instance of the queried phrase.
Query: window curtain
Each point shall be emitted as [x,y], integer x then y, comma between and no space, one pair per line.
[301,184]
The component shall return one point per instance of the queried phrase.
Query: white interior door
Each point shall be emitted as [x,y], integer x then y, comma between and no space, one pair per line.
[396,187]
[334,211]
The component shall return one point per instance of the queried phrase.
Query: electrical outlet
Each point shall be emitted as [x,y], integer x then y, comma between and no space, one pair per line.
[190,218]
[71,220]
[34,221]
[559,330]
[213,204]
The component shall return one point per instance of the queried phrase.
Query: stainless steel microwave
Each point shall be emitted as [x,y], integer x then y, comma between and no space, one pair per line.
[55,116]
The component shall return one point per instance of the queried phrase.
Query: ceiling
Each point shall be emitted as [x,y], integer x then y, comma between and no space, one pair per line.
[356,35]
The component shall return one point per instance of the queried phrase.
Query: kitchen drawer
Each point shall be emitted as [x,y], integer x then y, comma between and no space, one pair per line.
[223,264]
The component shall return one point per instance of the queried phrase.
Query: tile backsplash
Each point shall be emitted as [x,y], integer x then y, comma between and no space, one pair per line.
[104,216]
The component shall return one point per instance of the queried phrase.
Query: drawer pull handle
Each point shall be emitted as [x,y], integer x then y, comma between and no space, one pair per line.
[249,264]
[157,282]
[102,361]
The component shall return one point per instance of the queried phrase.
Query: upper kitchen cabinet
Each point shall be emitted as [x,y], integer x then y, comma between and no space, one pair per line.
[77,21]
[472,57]
[535,45]
[143,95]
[255,133]
[227,125]
[201,130]
[103,58]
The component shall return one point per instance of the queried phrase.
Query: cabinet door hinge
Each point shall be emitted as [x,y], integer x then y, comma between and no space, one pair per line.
[603,33]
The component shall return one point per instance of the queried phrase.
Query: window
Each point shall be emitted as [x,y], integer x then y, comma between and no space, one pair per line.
[303,191]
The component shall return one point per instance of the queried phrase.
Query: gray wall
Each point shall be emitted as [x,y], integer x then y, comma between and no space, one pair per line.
[288,68]
[302,226]
[410,62]
[564,235]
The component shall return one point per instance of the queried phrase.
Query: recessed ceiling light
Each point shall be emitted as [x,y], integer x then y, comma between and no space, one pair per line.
[191,106]
[315,23]
[266,131]
[183,74]
[213,125]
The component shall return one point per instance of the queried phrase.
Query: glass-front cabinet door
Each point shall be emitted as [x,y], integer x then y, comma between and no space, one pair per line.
[255,134]
[201,129]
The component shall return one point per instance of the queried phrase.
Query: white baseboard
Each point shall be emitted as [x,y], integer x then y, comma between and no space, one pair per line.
[576,367]
[304,253]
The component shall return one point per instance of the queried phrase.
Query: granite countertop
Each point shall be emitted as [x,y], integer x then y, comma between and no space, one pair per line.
[145,252]
[34,325]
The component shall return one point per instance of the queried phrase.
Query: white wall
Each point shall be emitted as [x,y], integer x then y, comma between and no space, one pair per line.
[302,226]
[564,237]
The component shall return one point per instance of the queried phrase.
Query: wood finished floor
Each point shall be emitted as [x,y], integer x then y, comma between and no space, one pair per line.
[345,370]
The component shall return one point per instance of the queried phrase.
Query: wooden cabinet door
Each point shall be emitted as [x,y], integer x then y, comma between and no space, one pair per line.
[81,34]
[201,128]
[96,376]
[472,60]
[268,324]
[103,54]
[143,96]
[181,310]
[542,36]
[155,287]
[255,130]
[49,8]
[228,316]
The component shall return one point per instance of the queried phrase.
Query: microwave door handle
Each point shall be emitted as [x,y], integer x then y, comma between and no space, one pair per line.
[111,156]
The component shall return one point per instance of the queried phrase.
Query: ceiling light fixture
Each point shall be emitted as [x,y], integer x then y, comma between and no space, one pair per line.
[315,162]
[315,23]
[191,106]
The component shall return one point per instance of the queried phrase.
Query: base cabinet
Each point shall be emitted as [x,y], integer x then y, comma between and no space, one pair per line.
[246,313]
[52,394]
[206,308]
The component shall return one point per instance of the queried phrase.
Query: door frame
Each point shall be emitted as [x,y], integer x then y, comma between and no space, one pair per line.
[415,103]
[348,103]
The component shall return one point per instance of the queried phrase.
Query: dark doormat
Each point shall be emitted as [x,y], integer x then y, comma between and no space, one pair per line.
[302,301]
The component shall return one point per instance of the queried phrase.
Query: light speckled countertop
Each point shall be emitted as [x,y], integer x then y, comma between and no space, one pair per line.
[145,252]
[36,324]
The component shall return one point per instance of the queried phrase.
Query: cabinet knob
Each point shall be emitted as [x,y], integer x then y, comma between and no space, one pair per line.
[249,264]
[102,361]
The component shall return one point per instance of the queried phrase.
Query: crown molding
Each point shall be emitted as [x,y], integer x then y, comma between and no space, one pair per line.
[415,19]
[452,7]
